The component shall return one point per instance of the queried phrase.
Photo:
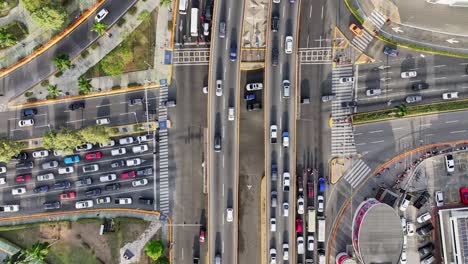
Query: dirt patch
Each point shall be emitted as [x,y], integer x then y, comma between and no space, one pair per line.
[80,242]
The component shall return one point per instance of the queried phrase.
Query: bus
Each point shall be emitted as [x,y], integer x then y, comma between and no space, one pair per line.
[194,22]
[311,221]
[183,7]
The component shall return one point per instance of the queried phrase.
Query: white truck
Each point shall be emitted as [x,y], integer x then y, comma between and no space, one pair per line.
[311,220]
[321,230]
[9,208]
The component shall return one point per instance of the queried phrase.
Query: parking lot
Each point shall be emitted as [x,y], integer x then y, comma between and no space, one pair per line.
[124,170]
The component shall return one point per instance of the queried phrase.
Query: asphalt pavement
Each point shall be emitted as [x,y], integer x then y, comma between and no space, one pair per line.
[39,68]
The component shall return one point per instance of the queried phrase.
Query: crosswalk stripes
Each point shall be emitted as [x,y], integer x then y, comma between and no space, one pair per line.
[342,137]
[361,42]
[357,173]
[377,19]
[196,56]
[163,154]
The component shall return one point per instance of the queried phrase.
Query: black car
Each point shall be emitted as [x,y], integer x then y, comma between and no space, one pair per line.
[425,229]
[29,112]
[348,104]
[147,201]
[118,164]
[422,199]
[217,143]
[425,250]
[390,51]
[77,106]
[112,187]
[52,205]
[25,165]
[21,156]
[136,101]
[93,192]
[144,172]
[41,189]
[420,86]
[253,107]
[60,185]
[274,56]
[275,23]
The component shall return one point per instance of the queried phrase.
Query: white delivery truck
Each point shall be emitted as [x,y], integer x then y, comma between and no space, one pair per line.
[321,230]
[311,220]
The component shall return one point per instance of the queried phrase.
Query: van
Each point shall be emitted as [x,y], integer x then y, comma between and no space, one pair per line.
[222,29]
[231,114]
[286,88]
[274,199]
[217,143]
[273,224]
[218,259]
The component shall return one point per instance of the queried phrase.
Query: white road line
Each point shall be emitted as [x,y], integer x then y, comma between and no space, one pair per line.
[439,78]
[229,13]
[40,126]
[357,134]
[322,12]
[73,121]
[182,252]
[310,12]
[397,128]
[459,131]
[223,161]
[452,121]
[375,131]
[379,141]
[14,118]
[361,144]
[438,66]
[465,75]
[425,125]
[464,63]
[97,106]
[223,190]
[284,10]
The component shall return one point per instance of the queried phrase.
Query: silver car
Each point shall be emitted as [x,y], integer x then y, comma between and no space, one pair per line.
[219,87]
[413,99]
[222,29]
[373,92]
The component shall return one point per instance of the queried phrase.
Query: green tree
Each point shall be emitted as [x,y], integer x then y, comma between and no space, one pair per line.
[96,134]
[50,16]
[100,28]
[144,15]
[154,249]
[85,85]
[402,110]
[7,39]
[162,260]
[62,61]
[37,252]
[9,148]
[53,91]
[165,3]
[114,63]
[64,140]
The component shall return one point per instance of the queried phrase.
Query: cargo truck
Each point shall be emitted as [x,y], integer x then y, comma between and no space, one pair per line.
[311,220]
[321,230]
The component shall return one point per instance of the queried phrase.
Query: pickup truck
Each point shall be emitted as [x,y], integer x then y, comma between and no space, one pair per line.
[84,181]
[9,208]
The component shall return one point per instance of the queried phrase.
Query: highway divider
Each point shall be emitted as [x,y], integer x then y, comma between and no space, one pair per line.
[409,111]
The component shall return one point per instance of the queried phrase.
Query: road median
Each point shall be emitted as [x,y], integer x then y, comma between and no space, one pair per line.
[404,111]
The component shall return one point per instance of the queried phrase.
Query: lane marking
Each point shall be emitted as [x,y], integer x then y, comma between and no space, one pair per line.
[422,125]
[322,12]
[379,141]
[223,189]
[375,131]
[310,12]
[97,106]
[438,66]
[397,128]
[452,121]
[361,144]
[439,78]
[459,131]
[73,121]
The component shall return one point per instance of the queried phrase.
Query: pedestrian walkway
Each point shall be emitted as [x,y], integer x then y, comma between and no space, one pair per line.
[378,19]
[163,141]
[342,140]
[357,173]
[361,42]
[315,55]
[200,56]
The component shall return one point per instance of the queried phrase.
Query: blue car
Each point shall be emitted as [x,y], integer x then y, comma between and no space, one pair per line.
[233,53]
[71,159]
[41,189]
[321,181]
[249,97]
[390,52]
[60,185]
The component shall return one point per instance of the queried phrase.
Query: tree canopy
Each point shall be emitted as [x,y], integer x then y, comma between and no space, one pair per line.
[154,249]
[9,148]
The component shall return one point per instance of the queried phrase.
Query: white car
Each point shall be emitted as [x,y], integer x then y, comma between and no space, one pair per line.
[18,190]
[58,153]
[205,89]
[126,200]
[133,162]
[310,243]
[403,223]
[403,257]
[276,1]
[288,45]
[410,229]
[26,123]
[84,147]
[300,245]
[273,133]
[272,255]
[2,180]
[40,154]
[439,198]
[254,86]
[103,121]
[449,163]
[66,170]
[405,203]
[424,218]
[84,204]
[118,152]
[285,251]
[409,74]
[231,114]
[229,214]
[141,182]
[285,209]
[373,92]
[320,203]
[347,80]
[103,200]
[448,96]
[286,89]
[45,177]
[206,29]
[3,169]
[101,15]
[144,138]
[286,181]
[126,140]
[140,148]
[108,177]
[219,87]
[285,136]
[10,208]
[111,143]
[273,224]
[300,205]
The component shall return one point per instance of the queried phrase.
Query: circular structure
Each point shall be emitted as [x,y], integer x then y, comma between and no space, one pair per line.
[377,233]
[343,258]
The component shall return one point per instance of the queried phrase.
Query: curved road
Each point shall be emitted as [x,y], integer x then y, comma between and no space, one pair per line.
[39,68]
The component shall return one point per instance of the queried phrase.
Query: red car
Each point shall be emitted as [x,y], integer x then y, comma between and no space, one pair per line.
[464,195]
[310,190]
[299,225]
[128,174]
[67,195]
[201,238]
[23,178]
[93,155]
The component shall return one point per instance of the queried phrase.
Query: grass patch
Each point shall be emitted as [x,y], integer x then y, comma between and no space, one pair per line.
[6,6]
[414,110]
[17,29]
[135,53]
[32,225]
[67,254]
